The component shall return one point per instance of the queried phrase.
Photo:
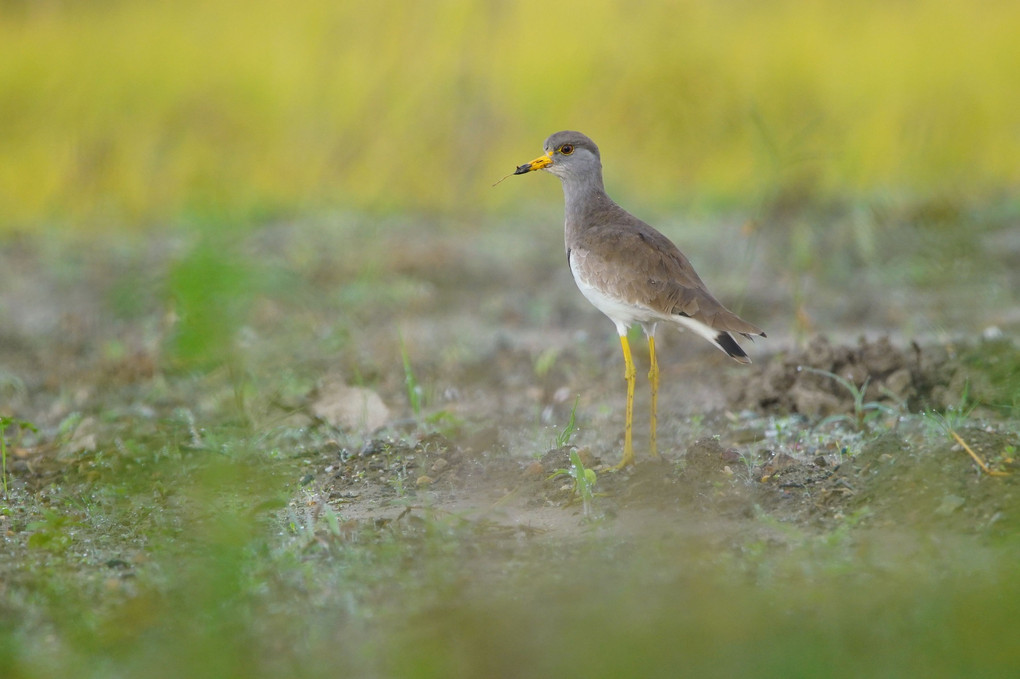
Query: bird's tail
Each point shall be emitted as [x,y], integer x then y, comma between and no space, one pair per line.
[722,338]
[725,341]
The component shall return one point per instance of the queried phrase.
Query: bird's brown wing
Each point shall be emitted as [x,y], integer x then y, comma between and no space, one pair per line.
[632,261]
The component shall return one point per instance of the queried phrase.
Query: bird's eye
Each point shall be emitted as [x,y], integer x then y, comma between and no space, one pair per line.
[566,149]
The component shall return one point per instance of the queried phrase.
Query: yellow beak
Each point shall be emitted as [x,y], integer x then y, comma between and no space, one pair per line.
[536,164]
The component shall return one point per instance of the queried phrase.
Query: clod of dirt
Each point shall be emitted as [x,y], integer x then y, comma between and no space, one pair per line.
[706,457]
[933,377]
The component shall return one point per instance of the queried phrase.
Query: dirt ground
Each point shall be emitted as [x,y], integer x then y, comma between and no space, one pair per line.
[732,468]
[500,349]
[348,436]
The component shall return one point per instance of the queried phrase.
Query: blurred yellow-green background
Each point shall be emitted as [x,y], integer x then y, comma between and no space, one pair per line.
[121,112]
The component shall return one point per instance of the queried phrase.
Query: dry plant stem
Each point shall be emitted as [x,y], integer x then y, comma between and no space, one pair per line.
[980,462]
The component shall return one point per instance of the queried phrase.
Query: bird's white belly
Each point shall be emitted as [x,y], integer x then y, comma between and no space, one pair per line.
[623,314]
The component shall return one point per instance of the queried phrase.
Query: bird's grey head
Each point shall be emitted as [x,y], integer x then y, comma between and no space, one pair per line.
[569,155]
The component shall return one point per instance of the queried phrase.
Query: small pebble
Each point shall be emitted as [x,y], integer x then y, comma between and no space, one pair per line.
[424,480]
[587,459]
[534,470]
[950,504]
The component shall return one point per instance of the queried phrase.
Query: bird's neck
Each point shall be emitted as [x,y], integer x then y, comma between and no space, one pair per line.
[581,197]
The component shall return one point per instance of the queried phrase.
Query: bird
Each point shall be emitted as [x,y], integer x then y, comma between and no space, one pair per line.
[631,272]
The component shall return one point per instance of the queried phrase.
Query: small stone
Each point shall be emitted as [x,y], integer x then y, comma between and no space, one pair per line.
[561,395]
[83,437]
[424,480]
[534,470]
[354,408]
[439,465]
[587,459]
[730,456]
[782,461]
[950,504]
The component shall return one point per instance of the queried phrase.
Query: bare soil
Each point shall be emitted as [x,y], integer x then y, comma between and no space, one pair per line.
[350,442]
[899,472]
[500,345]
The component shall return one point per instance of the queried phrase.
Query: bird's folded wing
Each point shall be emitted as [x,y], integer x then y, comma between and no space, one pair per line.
[642,267]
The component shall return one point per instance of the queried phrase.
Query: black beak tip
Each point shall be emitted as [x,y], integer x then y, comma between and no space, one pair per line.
[522,169]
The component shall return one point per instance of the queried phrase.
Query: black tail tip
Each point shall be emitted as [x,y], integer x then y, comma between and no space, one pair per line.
[726,342]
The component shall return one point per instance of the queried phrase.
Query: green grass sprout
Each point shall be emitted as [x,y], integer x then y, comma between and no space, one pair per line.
[415,394]
[20,427]
[584,481]
[861,407]
[567,433]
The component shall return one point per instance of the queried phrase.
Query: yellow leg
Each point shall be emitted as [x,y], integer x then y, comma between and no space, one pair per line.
[653,378]
[629,374]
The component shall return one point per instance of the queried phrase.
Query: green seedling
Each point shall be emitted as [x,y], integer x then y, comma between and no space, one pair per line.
[861,408]
[414,390]
[19,426]
[444,422]
[956,417]
[584,481]
[397,483]
[545,361]
[563,438]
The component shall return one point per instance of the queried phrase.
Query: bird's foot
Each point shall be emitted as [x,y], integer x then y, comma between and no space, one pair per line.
[627,461]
